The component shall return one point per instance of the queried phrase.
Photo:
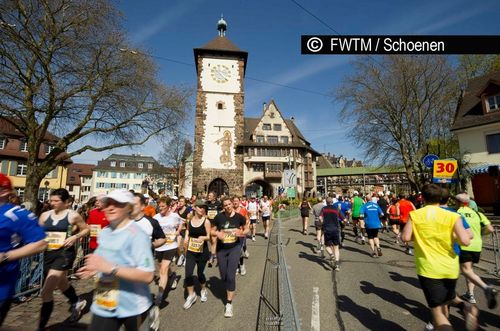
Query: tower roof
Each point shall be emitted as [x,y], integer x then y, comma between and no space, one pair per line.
[220,46]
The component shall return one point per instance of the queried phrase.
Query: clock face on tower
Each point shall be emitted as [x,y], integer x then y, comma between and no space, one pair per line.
[220,73]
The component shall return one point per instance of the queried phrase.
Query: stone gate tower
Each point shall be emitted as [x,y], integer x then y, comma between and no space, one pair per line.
[219,123]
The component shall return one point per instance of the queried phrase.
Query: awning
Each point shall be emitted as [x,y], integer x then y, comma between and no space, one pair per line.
[480,169]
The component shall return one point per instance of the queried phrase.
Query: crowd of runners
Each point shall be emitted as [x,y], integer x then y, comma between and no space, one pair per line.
[128,231]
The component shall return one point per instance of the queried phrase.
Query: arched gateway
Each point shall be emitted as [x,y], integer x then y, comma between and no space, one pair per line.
[258,188]
[219,186]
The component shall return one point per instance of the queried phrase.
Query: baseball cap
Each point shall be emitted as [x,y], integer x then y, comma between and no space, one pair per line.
[200,203]
[5,182]
[121,196]
[463,197]
[355,193]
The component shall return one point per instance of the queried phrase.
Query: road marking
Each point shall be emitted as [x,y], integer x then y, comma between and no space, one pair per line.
[315,319]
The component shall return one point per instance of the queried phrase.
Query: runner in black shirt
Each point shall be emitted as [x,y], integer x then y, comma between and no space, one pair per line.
[213,209]
[227,228]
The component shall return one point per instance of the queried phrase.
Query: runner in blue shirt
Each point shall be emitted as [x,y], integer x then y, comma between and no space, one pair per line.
[20,236]
[371,213]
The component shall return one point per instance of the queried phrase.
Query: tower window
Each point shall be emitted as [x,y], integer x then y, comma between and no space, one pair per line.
[220,105]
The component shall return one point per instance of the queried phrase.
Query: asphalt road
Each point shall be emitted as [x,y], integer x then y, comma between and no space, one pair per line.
[366,294]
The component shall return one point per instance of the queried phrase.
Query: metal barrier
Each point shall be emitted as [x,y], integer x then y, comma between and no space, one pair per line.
[31,279]
[496,250]
[276,306]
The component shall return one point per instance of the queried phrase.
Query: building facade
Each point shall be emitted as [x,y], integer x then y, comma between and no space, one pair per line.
[79,181]
[131,172]
[237,155]
[477,126]
[13,157]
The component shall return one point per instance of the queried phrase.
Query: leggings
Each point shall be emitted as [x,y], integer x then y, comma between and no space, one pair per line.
[4,309]
[228,263]
[131,323]
[200,261]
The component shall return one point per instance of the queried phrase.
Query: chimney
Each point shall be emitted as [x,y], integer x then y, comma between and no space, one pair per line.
[264,107]
[292,118]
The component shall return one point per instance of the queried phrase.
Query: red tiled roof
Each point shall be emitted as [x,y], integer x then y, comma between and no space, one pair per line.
[76,170]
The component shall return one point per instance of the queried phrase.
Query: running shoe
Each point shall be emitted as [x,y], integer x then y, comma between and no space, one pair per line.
[363,241]
[174,283]
[243,270]
[409,251]
[337,267]
[379,251]
[76,310]
[181,260]
[374,255]
[228,312]
[265,235]
[253,238]
[190,300]
[491,294]
[246,254]
[211,261]
[469,297]
[154,318]
[429,327]
[204,295]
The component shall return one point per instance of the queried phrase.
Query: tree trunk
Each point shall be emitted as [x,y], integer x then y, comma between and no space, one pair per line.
[34,177]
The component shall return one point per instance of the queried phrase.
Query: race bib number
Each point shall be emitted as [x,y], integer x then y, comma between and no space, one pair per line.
[229,236]
[195,245]
[170,237]
[95,229]
[211,214]
[253,214]
[106,293]
[55,240]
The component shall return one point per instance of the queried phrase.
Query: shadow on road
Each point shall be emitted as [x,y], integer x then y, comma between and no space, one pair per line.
[370,318]
[400,278]
[357,250]
[314,258]
[311,246]
[414,307]
[216,286]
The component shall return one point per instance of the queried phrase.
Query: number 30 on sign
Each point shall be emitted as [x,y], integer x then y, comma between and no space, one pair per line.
[444,171]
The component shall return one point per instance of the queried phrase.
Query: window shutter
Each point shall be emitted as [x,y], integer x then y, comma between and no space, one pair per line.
[5,167]
[13,168]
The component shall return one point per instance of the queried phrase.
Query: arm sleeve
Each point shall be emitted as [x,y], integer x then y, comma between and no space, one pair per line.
[141,252]
[157,230]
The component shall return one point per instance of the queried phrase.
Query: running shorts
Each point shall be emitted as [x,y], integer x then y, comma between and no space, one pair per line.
[437,292]
[253,221]
[332,238]
[265,218]
[166,255]
[61,259]
[468,256]
[372,233]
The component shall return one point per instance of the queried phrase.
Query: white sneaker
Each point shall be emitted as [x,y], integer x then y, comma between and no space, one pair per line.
[181,260]
[253,238]
[243,270]
[190,300]
[228,312]
[76,310]
[174,284]
[246,254]
[204,295]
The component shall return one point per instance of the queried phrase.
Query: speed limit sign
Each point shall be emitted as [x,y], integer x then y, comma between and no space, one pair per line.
[444,171]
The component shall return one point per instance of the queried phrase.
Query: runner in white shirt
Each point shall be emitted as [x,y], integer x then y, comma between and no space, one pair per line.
[265,210]
[170,223]
[253,210]
[149,225]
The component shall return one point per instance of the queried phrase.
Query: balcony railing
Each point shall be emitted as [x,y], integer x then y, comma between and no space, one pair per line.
[272,174]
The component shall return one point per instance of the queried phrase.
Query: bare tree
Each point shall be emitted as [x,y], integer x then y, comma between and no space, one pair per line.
[175,152]
[474,65]
[400,105]
[63,69]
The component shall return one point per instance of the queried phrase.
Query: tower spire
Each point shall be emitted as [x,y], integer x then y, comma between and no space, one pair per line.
[222,26]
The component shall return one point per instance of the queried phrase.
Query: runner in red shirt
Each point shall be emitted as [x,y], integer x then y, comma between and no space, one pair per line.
[96,221]
[404,207]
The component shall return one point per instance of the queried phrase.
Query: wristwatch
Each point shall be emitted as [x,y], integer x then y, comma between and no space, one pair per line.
[4,258]
[114,270]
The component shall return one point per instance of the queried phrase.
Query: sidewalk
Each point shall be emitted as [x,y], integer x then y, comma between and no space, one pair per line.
[24,316]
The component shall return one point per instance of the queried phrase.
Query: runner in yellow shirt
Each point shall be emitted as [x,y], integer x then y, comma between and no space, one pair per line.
[433,230]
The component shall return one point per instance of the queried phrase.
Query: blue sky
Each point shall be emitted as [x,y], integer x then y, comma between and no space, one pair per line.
[270,32]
